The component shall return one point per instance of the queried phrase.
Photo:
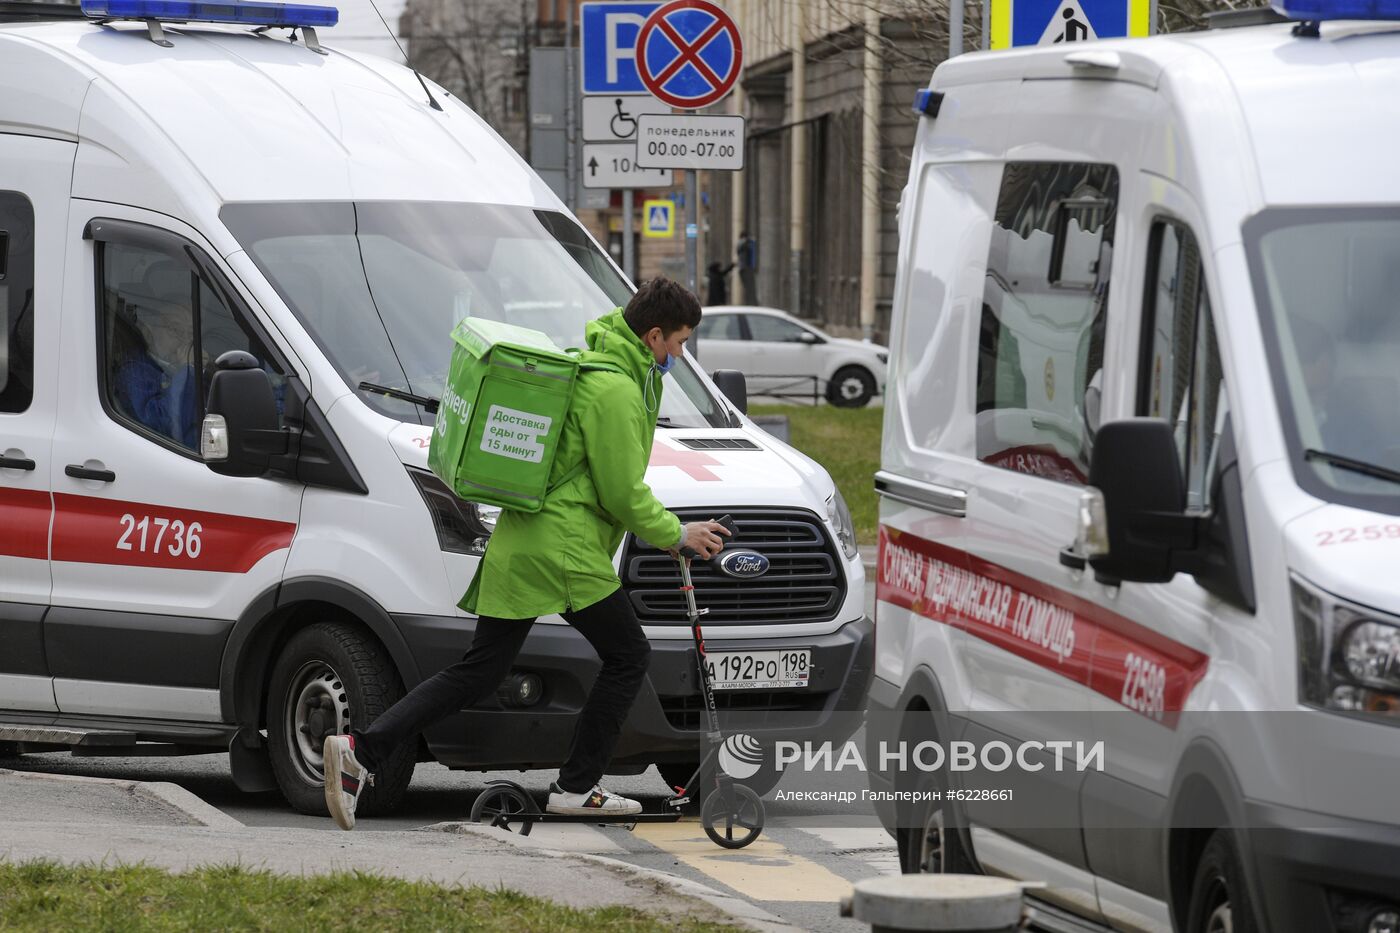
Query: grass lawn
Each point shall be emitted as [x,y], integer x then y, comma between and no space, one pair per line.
[847,442]
[48,896]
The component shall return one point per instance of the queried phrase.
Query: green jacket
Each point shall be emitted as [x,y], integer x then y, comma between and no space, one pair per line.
[560,558]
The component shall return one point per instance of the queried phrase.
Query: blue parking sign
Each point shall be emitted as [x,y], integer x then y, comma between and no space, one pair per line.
[608,44]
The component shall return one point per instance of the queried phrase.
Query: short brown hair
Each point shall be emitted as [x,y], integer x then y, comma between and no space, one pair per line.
[663,303]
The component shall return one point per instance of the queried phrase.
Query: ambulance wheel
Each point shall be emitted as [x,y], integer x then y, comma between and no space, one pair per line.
[501,801]
[330,677]
[732,828]
[9,750]
[851,387]
[1219,898]
[929,842]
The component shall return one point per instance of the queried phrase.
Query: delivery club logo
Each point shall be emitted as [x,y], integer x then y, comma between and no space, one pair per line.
[454,403]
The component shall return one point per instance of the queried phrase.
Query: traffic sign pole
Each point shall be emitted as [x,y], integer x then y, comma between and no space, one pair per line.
[692,230]
[629,259]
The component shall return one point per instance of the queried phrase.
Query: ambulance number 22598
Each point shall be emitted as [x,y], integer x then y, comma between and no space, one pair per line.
[148,535]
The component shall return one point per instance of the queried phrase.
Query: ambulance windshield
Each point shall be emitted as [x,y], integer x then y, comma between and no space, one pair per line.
[1327,282]
[380,285]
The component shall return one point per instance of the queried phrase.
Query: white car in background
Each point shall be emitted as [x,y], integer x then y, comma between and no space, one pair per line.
[781,355]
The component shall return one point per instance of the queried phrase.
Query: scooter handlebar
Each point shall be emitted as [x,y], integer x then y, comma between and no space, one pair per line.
[727,521]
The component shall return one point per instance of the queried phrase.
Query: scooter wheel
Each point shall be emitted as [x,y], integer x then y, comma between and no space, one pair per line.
[498,803]
[736,827]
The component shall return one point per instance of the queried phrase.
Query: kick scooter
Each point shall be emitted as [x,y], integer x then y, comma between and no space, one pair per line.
[732,814]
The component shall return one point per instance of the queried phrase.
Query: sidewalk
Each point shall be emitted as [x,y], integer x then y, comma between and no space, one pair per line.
[80,820]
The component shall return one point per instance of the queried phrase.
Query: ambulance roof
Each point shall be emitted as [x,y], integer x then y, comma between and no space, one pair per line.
[1320,113]
[247,117]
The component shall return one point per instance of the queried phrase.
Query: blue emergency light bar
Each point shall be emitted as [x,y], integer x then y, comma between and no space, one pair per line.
[1317,10]
[244,12]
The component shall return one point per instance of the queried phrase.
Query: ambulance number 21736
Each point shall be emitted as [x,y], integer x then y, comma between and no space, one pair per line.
[148,535]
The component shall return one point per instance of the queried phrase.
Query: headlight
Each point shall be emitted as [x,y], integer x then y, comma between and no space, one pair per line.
[840,516]
[1348,656]
[461,527]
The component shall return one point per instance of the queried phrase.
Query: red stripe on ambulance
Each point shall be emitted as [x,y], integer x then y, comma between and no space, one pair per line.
[1106,652]
[90,530]
[24,523]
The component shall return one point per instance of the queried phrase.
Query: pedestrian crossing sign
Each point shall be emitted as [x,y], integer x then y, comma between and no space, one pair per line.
[1059,22]
[659,219]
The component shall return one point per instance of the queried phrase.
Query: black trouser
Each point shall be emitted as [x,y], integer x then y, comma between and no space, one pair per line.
[611,627]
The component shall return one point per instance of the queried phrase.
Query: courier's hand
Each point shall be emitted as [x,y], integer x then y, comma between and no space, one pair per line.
[703,537]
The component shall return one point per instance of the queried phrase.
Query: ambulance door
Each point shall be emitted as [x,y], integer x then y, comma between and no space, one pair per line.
[154,555]
[1146,666]
[34,182]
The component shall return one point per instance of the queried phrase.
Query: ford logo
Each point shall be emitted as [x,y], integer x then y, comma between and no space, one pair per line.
[743,565]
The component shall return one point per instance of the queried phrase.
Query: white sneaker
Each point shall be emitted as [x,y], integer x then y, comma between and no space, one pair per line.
[345,779]
[595,802]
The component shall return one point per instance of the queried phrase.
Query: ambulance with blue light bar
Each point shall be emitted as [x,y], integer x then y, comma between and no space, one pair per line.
[192,192]
[1141,476]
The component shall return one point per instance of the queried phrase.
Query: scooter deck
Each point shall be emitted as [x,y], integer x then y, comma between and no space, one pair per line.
[589,818]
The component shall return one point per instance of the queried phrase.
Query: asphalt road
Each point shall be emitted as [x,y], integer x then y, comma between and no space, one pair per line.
[799,869]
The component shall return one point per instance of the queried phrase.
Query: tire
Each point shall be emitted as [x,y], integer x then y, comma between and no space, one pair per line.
[330,677]
[9,750]
[933,845]
[1219,898]
[851,387]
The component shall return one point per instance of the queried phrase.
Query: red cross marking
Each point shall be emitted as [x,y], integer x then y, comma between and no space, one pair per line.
[693,462]
[690,52]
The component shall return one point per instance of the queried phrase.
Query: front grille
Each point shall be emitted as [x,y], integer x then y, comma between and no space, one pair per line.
[685,713]
[804,583]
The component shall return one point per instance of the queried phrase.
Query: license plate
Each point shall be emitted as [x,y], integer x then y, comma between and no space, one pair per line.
[758,670]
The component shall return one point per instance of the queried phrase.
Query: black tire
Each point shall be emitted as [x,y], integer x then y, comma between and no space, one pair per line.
[1219,897]
[931,841]
[9,750]
[330,677]
[851,387]
[504,798]
[737,828]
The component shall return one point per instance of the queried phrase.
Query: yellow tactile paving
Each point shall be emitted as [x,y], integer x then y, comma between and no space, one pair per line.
[762,871]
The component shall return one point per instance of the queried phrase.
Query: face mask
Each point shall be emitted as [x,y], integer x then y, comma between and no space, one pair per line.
[664,368]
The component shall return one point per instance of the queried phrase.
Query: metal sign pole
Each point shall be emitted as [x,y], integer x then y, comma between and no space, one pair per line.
[629,259]
[692,230]
[570,109]
[955,27]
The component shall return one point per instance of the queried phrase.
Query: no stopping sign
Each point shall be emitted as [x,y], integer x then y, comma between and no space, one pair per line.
[689,53]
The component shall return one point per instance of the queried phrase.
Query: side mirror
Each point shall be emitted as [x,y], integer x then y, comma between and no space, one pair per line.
[240,434]
[809,338]
[734,386]
[1137,471]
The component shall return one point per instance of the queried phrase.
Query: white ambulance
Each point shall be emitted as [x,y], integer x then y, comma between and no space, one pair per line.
[1141,477]
[172,193]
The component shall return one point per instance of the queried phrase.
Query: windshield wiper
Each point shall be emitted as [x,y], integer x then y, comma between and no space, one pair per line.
[665,423]
[1356,466]
[430,405]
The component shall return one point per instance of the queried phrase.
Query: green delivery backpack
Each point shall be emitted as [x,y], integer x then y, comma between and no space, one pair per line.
[502,414]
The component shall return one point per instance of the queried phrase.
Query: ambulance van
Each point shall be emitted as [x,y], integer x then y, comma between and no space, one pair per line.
[237,242]
[1141,479]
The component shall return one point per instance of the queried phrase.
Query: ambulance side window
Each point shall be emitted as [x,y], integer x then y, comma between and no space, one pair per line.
[16,302]
[1044,314]
[1181,379]
[163,326]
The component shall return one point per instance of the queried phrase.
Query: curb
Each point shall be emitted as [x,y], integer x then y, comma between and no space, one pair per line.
[162,792]
[740,911]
